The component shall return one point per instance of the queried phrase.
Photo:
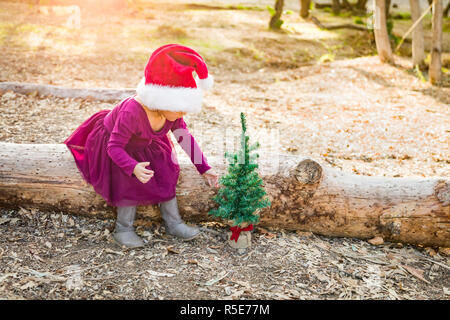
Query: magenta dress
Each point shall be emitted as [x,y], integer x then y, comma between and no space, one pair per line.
[108,145]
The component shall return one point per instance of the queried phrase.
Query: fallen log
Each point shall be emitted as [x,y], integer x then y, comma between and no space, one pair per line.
[338,26]
[304,195]
[103,94]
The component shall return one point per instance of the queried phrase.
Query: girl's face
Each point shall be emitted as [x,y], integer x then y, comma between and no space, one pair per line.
[172,115]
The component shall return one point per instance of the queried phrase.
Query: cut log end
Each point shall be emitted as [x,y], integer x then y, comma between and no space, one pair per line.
[308,172]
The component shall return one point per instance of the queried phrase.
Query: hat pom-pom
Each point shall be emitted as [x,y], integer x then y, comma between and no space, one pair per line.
[206,84]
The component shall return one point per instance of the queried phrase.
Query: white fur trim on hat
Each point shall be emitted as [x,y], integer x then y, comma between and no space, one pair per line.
[170,98]
[205,84]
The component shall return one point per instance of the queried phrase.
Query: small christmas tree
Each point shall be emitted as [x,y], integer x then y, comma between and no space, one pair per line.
[242,194]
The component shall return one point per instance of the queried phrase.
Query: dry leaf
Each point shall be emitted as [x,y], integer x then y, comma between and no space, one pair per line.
[160,274]
[25,212]
[28,285]
[267,234]
[270,235]
[416,273]
[376,241]
[430,252]
[9,95]
[114,252]
[304,233]
[235,295]
[444,251]
[219,277]
[33,94]
[283,296]
[4,220]
[170,249]
[38,258]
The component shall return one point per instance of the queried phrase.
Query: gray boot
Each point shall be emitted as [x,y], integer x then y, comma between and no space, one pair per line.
[174,224]
[124,232]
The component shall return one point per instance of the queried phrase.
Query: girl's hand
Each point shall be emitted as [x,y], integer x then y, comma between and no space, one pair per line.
[143,175]
[212,178]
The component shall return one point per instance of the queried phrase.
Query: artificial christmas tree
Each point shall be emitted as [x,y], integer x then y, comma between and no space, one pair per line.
[242,194]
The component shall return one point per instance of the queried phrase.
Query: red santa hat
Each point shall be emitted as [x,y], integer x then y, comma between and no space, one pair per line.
[169,83]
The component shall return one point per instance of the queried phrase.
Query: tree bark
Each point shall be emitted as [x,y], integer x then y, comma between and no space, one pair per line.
[347,5]
[381,34]
[447,9]
[418,49]
[103,94]
[435,72]
[275,22]
[336,7]
[304,8]
[387,7]
[361,5]
[304,195]
[338,26]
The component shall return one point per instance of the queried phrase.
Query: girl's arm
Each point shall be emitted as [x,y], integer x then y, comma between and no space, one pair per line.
[120,135]
[190,146]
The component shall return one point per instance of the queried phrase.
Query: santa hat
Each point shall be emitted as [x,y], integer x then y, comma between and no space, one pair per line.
[169,83]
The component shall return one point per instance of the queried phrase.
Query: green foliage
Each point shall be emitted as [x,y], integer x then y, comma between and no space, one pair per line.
[358,20]
[390,27]
[446,26]
[242,194]
[427,60]
[344,14]
[271,10]
[328,57]
[278,24]
[274,24]
[419,73]
[402,16]
[242,7]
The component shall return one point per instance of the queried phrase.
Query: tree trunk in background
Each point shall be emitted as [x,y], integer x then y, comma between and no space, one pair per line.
[435,72]
[275,22]
[381,34]
[418,49]
[304,8]
[103,94]
[305,195]
[361,5]
[336,7]
[387,8]
[447,8]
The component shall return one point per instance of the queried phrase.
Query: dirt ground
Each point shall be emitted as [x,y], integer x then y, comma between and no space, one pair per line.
[304,91]
[47,255]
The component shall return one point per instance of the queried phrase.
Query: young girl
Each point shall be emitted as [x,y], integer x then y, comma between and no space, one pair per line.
[126,154]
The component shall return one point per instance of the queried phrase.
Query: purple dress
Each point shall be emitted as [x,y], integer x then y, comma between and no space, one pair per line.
[108,145]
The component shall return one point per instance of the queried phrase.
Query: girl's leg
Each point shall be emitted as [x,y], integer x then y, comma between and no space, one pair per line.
[124,231]
[174,224]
